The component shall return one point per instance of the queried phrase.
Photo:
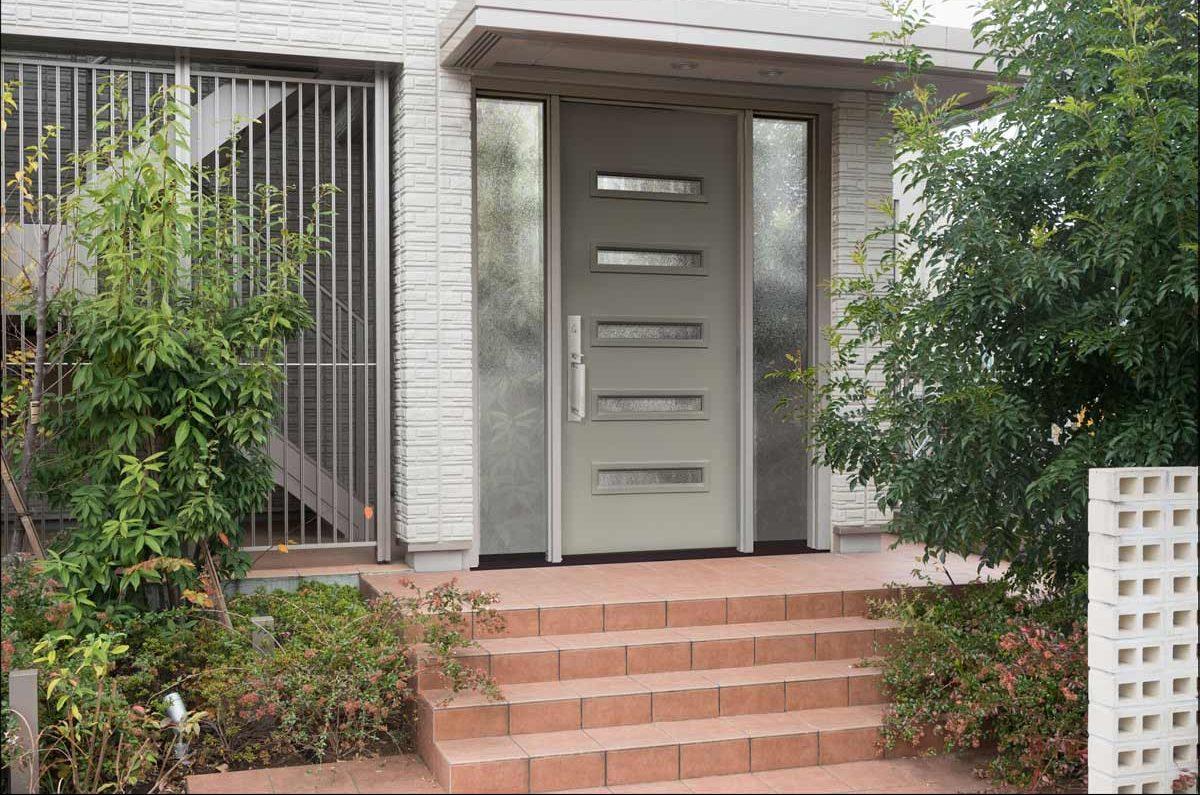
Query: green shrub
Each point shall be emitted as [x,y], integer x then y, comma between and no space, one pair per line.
[94,739]
[984,668]
[157,448]
[337,685]
[1035,316]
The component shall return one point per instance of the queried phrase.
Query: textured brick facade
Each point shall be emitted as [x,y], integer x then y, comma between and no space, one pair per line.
[433,434]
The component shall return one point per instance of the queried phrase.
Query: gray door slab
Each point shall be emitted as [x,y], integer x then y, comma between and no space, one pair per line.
[650,266]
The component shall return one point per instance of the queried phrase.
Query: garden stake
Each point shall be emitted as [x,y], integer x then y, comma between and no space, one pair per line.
[214,583]
[18,501]
[23,702]
[263,635]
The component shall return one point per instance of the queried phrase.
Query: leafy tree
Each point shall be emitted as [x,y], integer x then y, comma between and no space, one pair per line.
[1043,315]
[157,446]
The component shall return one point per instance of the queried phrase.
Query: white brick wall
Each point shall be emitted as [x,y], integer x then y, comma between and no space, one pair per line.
[1142,631]
[862,178]
[434,398]
[431,193]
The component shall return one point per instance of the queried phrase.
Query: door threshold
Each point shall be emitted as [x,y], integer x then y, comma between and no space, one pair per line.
[529,560]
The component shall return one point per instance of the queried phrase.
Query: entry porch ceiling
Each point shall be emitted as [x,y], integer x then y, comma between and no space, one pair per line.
[712,40]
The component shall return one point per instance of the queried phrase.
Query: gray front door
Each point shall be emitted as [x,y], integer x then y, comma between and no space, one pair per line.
[650,318]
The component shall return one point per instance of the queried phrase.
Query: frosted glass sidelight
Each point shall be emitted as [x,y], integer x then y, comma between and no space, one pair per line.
[652,186]
[510,251]
[781,268]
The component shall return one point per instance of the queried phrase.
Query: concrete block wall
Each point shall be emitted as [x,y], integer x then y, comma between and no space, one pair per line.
[1142,628]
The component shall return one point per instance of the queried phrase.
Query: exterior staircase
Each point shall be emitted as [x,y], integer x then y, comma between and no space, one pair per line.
[607,695]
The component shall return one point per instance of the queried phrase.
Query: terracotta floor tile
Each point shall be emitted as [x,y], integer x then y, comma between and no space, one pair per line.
[782,751]
[592,663]
[649,787]
[406,773]
[848,745]
[719,758]
[606,686]
[572,620]
[815,605]
[866,689]
[538,666]
[501,776]
[513,624]
[544,716]
[783,648]
[801,780]
[845,718]
[702,730]
[753,699]
[696,612]
[482,749]
[736,783]
[251,782]
[659,657]
[616,710]
[635,615]
[641,765]
[619,737]
[746,609]
[842,645]
[314,778]
[557,743]
[554,773]
[685,704]
[874,775]
[732,653]
[816,693]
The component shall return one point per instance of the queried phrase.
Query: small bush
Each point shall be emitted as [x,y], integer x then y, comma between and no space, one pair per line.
[337,685]
[987,668]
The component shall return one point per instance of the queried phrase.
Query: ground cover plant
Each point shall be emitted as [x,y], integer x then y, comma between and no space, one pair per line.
[336,684]
[988,668]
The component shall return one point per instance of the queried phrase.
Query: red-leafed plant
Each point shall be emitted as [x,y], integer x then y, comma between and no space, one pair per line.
[992,670]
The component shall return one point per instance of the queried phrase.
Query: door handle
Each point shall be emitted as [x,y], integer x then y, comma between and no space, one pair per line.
[577,371]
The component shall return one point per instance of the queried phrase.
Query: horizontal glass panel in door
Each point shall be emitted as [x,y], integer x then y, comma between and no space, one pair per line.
[510,252]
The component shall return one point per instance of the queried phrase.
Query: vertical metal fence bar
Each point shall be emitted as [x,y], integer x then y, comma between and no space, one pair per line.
[320,375]
[365,266]
[300,279]
[333,306]
[354,515]
[287,371]
[382,360]
[335,472]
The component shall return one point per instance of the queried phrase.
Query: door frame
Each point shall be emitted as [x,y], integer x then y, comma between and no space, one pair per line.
[745,108]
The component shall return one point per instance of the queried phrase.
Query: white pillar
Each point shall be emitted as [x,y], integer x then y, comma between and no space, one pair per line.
[1142,632]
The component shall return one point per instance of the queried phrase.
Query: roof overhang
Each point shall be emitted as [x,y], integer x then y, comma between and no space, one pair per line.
[705,39]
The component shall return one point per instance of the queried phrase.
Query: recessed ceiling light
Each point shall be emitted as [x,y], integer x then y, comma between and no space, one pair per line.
[684,66]
[770,72]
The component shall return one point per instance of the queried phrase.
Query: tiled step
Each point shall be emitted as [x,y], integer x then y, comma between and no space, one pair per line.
[573,704]
[549,658]
[619,616]
[665,751]
[924,775]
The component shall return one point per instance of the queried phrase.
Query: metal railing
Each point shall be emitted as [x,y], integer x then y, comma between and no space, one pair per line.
[297,134]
